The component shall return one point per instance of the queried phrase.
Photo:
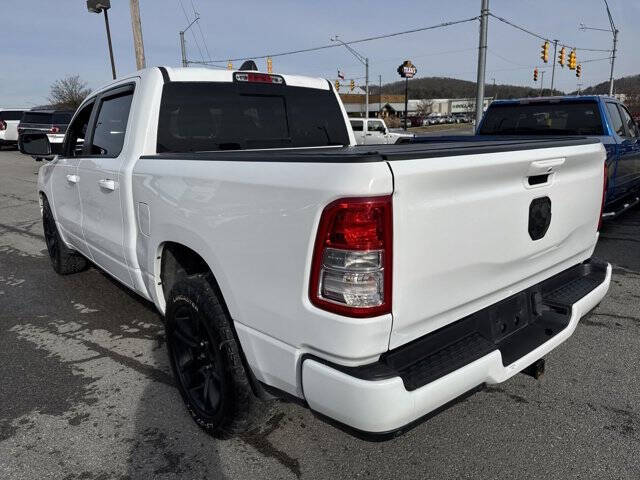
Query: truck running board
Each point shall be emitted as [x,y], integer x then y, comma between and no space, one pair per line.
[514,326]
[621,207]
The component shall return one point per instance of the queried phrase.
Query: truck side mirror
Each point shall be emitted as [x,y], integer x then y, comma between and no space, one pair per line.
[34,144]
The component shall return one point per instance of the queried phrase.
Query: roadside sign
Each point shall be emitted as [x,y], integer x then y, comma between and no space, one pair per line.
[407,69]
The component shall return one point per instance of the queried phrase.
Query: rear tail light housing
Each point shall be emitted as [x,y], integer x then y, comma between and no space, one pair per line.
[605,183]
[352,259]
[54,130]
[256,77]
[3,125]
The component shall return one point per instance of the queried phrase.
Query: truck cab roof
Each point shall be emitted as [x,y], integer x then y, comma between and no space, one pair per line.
[556,99]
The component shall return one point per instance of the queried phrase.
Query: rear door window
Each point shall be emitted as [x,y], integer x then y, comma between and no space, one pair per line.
[630,124]
[206,116]
[111,125]
[356,125]
[616,119]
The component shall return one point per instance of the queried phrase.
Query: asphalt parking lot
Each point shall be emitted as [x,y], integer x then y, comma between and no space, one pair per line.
[86,392]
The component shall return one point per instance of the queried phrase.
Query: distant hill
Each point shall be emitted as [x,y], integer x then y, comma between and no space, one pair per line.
[443,87]
[628,85]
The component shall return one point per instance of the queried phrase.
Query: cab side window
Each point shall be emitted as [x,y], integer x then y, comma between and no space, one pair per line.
[632,129]
[77,131]
[111,125]
[376,126]
[616,119]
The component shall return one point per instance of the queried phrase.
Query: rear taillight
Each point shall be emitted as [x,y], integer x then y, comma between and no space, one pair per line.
[54,130]
[605,183]
[3,125]
[352,259]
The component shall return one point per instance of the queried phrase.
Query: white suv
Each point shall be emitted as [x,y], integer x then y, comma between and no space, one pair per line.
[373,131]
[9,120]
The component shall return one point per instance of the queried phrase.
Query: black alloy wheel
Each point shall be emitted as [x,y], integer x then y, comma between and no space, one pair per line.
[198,364]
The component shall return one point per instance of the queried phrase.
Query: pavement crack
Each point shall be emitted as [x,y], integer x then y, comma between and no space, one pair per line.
[11,228]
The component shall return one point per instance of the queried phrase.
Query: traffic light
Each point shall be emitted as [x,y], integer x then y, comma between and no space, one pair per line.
[535,74]
[578,70]
[229,65]
[352,85]
[573,61]
[269,65]
[337,85]
[562,56]
[544,55]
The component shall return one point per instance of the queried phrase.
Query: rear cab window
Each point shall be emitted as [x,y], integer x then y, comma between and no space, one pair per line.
[209,116]
[10,115]
[37,117]
[543,118]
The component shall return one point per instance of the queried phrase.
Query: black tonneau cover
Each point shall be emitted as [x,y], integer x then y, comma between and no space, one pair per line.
[428,148]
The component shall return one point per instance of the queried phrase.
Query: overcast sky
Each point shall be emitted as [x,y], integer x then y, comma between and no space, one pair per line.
[43,40]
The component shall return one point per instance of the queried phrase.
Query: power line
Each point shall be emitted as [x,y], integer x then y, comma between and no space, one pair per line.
[352,42]
[195,39]
[541,37]
[204,42]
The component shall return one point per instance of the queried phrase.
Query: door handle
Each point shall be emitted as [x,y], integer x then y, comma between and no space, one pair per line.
[107,184]
[73,178]
[542,167]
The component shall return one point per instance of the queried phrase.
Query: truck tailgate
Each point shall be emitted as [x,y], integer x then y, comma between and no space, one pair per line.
[469,229]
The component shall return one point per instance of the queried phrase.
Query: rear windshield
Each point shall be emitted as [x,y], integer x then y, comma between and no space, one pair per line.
[37,117]
[570,118]
[56,118]
[10,115]
[62,118]
[205,116]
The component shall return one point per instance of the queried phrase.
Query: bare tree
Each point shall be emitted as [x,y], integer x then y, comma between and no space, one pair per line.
[424,108]
[68,92]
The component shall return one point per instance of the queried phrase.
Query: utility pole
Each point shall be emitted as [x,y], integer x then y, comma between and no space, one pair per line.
[379,95]
[614,31]
[541,82]
[365,61]
[482,60]
[138,44]
[553,64]
[183,46]
[579,89]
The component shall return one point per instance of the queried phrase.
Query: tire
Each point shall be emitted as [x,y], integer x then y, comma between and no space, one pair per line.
[63,259]
[206,360]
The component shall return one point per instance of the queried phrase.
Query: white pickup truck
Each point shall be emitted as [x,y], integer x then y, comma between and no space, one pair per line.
[374,284]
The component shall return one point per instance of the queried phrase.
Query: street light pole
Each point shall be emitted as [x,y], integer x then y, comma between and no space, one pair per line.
[98,6]
[365,61]
[482,60]
[106,24]
[183,46]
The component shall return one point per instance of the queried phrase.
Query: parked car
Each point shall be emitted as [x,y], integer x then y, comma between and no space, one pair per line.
[9,120]
[603,117]
[288,261]
[373,131]
[50,120]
